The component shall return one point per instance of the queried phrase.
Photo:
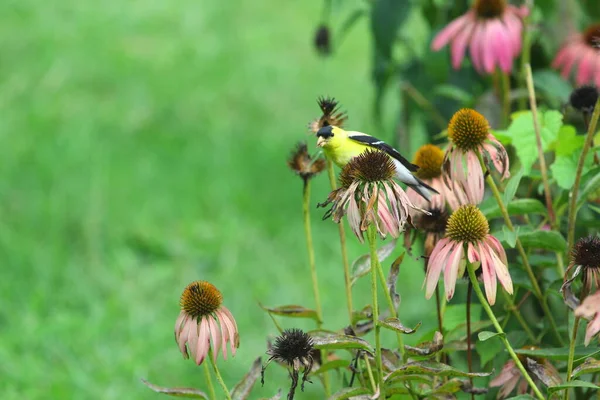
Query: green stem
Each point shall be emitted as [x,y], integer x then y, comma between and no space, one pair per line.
[525,57]
[209,383]
[534,283]
[372,236]
[571,355]
[311,252]
[573,195]
[505,99]
[342,232]
[519,318]
[501,335]
[370,373]
[469,350]
[218,374]
[390,302]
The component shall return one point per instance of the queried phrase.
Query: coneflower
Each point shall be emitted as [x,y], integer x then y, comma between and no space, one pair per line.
[585,259]
[331,115]
[468,227]
[580,54]
[590,309]
[303,164]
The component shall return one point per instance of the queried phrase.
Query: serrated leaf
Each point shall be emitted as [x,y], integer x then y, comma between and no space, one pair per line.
[564,169]
[427,348]
[558,353]
[292,311]
[177,392]
[510,237]
[362,265]
[550,240]
[589,366]
[486,335]
[395,325]
[242,390]
[432,368]
[512,186]
[349,392]
[572,384]
[331,341]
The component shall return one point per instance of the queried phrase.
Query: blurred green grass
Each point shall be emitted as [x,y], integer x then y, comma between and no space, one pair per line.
[144,147]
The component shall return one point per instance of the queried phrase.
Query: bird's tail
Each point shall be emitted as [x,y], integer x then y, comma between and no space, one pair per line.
[424,189]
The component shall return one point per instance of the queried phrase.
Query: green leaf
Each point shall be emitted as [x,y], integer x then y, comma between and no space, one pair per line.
[349,392]
[568,141]
[332,365]
[550,240]
[521,397]
[292,311]
[488,350]
[242,390]
[516,207]
[362,265]
[558,353]
[177,392]
[454,316]
[427,348]
[590,186]
[349,23]
[572,384]
[564,169]
[485,335]
[431,368]
[589,366]
[510,237]
[395,325]
[523,138]
[454,93]
[512,186]
[331,340]
[551,84]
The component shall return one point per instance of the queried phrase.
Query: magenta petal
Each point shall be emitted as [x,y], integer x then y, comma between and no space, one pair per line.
[476,46]
[487,51]
[586,66]
[451,269]
[446,34]
[459,44]
[501,45]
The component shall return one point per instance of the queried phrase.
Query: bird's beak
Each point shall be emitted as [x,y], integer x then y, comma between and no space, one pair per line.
[320,141]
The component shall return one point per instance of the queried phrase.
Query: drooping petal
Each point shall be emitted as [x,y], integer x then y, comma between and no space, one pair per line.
[502,45]
[586,66]
[459,44]
[507,373]
[501,270]
[472,255]
[183,336]
[192,337]
[489,274]
[435,265]
[353,216]
[232,328]
[203,342]
[215,336]
[446,34]
[225,334]
[387,219]
[497,246]
[487,51]
[476,46]
[451,269]
[474,181]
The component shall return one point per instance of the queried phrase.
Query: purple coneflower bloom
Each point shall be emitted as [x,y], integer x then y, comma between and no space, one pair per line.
[204,324]
[467,227]
[470,136]
[492,31]
[582,49]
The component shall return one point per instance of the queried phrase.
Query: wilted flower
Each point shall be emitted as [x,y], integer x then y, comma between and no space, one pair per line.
[204,323]
[582,49]
[323,40]
[492,30]
[590,309]
[584,98]
[293,347]
[468,226]
[469,134]
[432,224]
[302,164]
[331,115]
[369,195]
[585,258]
[429,158]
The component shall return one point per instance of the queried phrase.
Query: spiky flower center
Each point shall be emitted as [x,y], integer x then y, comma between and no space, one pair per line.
[292,344]
[429,158]
[468,129]
[301,163]
[592,35]
[586,252]
[584,98]
[200,298]
[370,166]
[467,224]
[489,8]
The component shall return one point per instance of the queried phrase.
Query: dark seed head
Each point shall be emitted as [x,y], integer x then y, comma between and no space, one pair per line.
[586,252]
[370,166]
[290,345]
[584,98]
[302,164]
[489,8]
[592,35]
[323,40]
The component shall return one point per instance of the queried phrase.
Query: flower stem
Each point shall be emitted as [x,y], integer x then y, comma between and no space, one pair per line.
[534,283]
[390,302]
[211,388]
[372,236]
[502,336]
[571,354]
[505,77]
[218,374]
[370,373]
[311,251]
[525,53]
[342,233]
[538,139]
[469,350]
[573,195]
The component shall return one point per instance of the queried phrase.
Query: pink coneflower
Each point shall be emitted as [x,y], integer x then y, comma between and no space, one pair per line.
[204,324]
[582,49]
[369,195]
[468,226]
[429,158]
[470,136]
[590,309]
[492,30]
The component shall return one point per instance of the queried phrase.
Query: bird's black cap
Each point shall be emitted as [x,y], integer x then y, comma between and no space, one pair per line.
[325,132]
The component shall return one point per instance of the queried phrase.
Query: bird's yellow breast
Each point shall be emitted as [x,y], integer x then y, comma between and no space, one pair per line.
[342,153]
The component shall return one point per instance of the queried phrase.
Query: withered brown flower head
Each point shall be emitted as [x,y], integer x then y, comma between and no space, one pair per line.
[331,115]
[489,9]
[323,40]
[585,259]
[370,166]
[584,98]
[592,35]
[302,164]
[586,253]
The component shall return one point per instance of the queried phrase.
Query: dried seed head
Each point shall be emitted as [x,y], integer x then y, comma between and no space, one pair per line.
[429,159]
[592,35]
[468,129]
[323,40]
[584,98]
[302,164]
[331,114]
[467,224]
[292,344]
[489,8]
[586,252]
[370,166]
[200,298]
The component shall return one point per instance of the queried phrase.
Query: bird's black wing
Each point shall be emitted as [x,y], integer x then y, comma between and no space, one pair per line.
[383,146]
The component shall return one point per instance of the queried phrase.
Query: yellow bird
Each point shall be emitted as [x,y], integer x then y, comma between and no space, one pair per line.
[341,146]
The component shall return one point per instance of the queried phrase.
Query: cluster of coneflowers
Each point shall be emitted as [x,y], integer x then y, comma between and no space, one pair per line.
[457,242]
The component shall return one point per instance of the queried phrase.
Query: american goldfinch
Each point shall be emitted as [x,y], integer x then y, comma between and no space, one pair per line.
[341,146]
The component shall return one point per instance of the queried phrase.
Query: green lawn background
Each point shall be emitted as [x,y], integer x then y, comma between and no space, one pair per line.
[143,146]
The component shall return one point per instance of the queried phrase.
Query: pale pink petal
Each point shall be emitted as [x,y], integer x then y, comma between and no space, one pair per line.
[215,336]
[451,269]
[474,184]
[505,391]
[225,334]
[446,34]
[435,264]
[501,45]
[592,329]
[353,216]
[487,51]
[472,255]
[230,322]
[394,202]
[182,337]
[489,274]
[497,246]
[389,223]
[203,342]
[507,373]
[586,66]
[192,336]
[475,47]
[501,270]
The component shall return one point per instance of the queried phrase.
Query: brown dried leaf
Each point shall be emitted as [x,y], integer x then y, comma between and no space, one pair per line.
[177,392]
